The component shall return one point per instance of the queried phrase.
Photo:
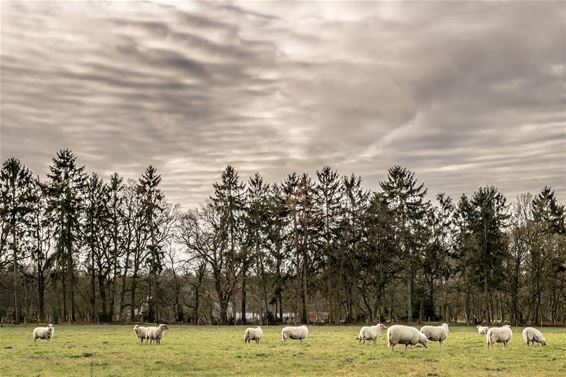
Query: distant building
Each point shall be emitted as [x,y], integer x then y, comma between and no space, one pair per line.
[318,317]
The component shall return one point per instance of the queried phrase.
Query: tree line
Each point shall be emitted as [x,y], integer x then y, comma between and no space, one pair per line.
[77,247]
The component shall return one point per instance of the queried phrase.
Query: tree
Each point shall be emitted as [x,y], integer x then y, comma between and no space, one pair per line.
[114,209]
[548,212]
[329,195]
[436,261]
[483,219]
[65,190]
[199,232]
[352,237]
[228,202]
[255,224]
[94,236]
[17,195]
[406,199]
[152,208]
[277,237]
[42,253]
[377,255]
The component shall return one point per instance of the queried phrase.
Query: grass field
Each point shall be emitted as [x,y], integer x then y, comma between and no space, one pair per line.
[112,350]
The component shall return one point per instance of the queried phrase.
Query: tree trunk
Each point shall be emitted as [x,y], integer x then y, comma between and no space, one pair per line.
[487,299]
[40,293]
[410,297]
[92,286]
[304,291]
[133,294]
[124,283]
[243,303]
[16,303]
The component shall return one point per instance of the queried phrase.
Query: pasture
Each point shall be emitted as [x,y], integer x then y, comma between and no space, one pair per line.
[113,350]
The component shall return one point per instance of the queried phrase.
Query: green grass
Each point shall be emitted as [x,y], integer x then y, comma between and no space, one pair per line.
[220,351]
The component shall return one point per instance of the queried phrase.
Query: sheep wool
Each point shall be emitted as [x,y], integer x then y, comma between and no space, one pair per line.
[499,335]
[43,333]
[532,336]
[399,334]
[482,330]
[294,332]
[252,333]
[370,333]
[436,333]
[141,333]
[155,333]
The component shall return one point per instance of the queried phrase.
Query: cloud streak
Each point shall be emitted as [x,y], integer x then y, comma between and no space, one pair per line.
[463,93]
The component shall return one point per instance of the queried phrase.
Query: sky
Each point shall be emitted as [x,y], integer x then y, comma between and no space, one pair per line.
[464,94]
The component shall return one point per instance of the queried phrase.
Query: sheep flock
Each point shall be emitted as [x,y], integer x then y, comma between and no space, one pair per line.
[396,334]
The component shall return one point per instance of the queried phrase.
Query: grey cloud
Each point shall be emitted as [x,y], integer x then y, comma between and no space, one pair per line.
[463,93]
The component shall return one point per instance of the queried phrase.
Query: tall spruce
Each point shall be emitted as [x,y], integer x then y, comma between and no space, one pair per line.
[228,200]
[406,197]
[484,218]
[255,223]
[17,197]
[115,211]
[152,203]
[65,190]
[329,195]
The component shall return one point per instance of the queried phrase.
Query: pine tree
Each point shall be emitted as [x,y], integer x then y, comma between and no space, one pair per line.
[548,212]
[329,195]
[65,189]
[277,237]
[115,210]
[228,201]
[255,224]
[406,198]
[437,254]
[152,207]
[483,219]
[17,196]
[352,233]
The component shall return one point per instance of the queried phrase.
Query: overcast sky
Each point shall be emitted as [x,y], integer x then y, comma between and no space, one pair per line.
[464,94]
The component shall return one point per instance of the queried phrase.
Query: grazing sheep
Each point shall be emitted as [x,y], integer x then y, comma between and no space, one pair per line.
[532,335]
[482,330]
[294,332]
[253,334]
[399,334]
[141,332]
[155,333]
[370,332]
[499,335]
[43,332]
[436,333]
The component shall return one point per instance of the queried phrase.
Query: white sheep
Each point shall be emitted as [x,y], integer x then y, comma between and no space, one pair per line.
[399,334]
[499,335]
[294,332]
[532,335]
[43,333]
[253,334]
[155,333]
[370,332]
[436,333]
[141,333]
[482,330]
